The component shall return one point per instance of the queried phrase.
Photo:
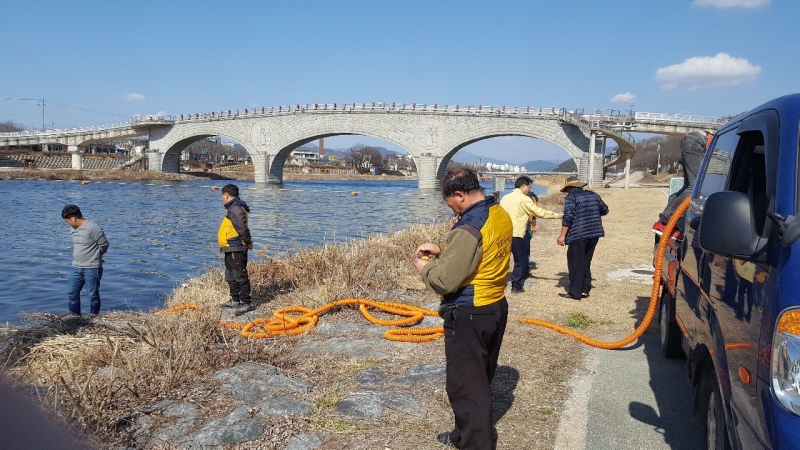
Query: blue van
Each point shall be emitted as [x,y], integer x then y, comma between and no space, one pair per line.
[731,298]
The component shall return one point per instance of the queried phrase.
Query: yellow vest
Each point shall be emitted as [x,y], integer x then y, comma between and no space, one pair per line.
[226,232]
[489,279]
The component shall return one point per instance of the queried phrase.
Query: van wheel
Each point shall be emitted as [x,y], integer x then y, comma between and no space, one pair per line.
[716,431]
[670,333]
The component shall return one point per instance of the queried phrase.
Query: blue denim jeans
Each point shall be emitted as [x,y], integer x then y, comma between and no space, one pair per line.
[91,279]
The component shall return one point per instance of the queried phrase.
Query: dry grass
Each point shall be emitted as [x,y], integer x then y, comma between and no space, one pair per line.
[94,372]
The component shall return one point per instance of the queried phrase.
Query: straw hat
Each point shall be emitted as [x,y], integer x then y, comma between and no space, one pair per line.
[572,181]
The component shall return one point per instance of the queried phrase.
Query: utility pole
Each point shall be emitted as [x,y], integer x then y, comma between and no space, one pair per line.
[41,103]
[658,160]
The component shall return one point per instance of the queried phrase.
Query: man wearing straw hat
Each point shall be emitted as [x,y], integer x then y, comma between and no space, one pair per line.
[581,228]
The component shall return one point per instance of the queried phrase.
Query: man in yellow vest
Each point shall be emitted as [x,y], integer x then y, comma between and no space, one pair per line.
[234,242]
[520,207]
[470,275]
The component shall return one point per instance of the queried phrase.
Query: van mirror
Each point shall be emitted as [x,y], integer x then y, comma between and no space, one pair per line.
[727,227]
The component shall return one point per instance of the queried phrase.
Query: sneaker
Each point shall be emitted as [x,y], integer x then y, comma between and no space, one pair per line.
[517,290]
[230,304]
[444,438]
[566,295]
[243,309]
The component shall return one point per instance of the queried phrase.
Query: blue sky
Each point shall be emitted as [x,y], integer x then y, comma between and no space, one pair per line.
[709,57]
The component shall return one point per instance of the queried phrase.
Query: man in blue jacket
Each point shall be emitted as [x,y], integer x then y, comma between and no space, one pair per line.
[234,242]
[581,228]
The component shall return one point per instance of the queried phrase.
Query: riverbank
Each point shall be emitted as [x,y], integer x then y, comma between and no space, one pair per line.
[140,379]
[144,175]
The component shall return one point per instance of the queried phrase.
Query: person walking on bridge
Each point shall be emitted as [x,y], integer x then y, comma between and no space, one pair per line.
[89,244]
[470,275]
[521,208]
[581,228]
[234,242]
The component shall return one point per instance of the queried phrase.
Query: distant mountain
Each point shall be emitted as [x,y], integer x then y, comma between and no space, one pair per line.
[469,158]
[566,166]
[539,166]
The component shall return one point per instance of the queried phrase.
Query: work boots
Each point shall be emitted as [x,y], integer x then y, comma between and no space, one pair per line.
[243,309]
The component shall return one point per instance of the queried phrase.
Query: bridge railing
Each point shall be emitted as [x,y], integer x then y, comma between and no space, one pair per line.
[374,106]
[67,131]
[679,118]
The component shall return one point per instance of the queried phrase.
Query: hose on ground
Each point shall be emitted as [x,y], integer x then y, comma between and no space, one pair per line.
[654,295]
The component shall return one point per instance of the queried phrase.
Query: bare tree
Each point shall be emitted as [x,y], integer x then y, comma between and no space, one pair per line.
[10,127]
[364,155]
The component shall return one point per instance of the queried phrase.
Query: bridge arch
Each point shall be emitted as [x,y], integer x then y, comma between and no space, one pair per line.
[166,144]
[276,164]
[568,137]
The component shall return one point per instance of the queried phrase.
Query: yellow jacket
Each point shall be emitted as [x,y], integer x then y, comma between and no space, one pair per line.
[521,208]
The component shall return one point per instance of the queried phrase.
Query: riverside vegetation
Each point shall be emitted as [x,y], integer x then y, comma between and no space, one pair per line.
[99,374]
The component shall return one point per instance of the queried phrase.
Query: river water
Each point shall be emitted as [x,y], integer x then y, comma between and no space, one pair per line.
[163,232]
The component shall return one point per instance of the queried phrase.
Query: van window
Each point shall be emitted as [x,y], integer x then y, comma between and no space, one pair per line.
[719,164]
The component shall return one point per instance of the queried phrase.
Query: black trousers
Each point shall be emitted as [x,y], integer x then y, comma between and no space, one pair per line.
[520,249]
[579,262]
[471,345]
[236,276]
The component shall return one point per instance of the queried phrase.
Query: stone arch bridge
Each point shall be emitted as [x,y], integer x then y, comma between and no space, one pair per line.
[431,134]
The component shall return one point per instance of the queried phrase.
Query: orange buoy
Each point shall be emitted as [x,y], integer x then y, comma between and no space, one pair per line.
[214,188]
[84,182]
[354,193]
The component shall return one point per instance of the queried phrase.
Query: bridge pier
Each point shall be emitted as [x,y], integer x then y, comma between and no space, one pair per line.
[429,171]
[77,157]
[153,160]
[171,162]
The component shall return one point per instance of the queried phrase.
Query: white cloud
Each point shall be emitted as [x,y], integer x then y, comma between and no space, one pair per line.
[731,3]
[625,97]
[704,72]
[133,97]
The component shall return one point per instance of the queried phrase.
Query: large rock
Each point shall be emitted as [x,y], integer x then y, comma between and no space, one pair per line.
[354,348]
[284,404]
[150,433]
[371,375]
[423,373]
[239,426]
[249,382]
[369,403]
[305,441]
[360,406]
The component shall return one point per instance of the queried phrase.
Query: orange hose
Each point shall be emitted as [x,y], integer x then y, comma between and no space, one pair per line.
[654,294]
[282,323]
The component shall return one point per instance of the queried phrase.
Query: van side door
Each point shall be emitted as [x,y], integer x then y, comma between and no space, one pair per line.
[735,304]
[712,178]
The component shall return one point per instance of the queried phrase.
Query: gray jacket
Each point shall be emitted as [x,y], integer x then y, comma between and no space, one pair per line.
[89,244]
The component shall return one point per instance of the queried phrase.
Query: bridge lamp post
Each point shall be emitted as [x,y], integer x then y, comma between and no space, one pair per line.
[41,103]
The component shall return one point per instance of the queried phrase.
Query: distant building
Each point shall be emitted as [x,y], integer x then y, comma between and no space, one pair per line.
[303,157]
